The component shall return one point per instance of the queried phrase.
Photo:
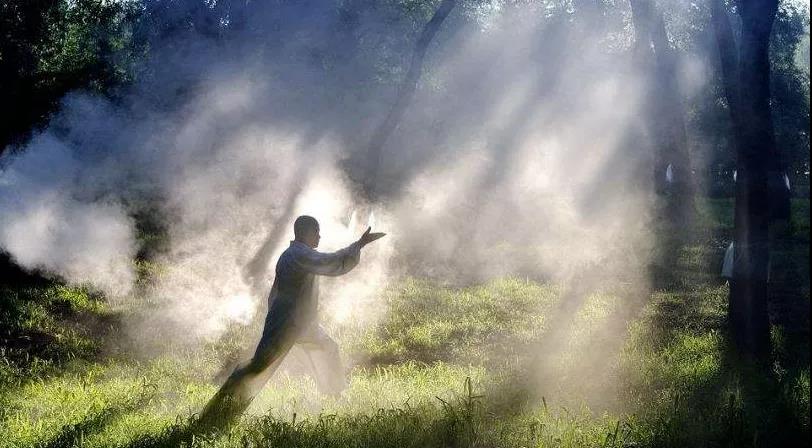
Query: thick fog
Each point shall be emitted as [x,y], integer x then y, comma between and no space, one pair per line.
[521,154]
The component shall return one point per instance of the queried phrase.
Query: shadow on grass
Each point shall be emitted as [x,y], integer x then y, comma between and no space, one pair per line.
[456,423]
[179,434]
[73,435]
[736,405]
[698,391]
[745,402]
[44,324]
[739,402]
[45,328]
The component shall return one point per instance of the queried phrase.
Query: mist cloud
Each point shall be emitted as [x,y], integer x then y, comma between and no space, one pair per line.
[515,158]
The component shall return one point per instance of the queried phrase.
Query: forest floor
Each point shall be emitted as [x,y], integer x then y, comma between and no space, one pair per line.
[511,362]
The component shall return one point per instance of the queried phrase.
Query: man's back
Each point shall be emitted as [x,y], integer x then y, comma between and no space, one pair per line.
[295,290]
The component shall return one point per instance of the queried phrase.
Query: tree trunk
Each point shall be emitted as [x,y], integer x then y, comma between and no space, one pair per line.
[406,92]
[255,273]
[749,101]
[664,111]
[641,19]
[729,63]
[672,119]
[779,195]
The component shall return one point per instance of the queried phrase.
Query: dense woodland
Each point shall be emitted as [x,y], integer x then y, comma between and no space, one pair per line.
[726,157]
[53,47]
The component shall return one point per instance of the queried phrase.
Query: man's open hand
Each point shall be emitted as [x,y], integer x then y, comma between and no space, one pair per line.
[368,237]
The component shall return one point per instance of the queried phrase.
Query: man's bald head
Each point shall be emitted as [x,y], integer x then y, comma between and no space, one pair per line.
[306,230]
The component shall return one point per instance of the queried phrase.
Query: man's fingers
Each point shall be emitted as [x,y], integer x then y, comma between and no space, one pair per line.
[369,237]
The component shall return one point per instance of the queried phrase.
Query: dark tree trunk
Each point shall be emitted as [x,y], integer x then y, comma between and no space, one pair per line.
[641,19]
[589,16]
[749,101]
[749,288]
[664,110]
[374,150]
[728,63]
[672,120]
[255,273]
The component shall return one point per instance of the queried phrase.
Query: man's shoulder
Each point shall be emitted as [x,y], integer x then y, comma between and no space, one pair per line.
[297,250]
[287,254]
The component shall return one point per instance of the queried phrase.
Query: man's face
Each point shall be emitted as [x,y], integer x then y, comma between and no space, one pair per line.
[312,238]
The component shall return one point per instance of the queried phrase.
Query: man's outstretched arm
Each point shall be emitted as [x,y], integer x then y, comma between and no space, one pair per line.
[339,262]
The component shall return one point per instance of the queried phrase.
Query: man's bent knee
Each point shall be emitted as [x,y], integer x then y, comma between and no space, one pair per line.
[254,367]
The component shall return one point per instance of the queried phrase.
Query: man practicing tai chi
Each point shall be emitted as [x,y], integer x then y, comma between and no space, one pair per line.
[292,319]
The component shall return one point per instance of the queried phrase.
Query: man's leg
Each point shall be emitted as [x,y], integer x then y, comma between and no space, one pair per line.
[325,360]
[245,382]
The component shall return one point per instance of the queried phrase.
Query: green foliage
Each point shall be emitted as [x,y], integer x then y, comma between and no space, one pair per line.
[52,47]
[790,89]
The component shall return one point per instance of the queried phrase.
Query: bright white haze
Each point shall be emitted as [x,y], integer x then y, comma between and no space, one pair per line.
[519,155]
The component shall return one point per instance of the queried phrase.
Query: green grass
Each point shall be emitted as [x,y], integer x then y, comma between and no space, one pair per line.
[44,326]
[427,322]
[506,363]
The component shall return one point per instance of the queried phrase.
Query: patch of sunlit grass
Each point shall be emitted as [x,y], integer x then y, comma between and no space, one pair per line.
[384,387]
[427,322]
